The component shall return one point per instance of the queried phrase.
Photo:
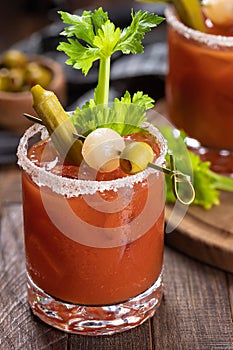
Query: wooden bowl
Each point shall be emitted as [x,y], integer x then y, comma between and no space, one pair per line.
[14,104]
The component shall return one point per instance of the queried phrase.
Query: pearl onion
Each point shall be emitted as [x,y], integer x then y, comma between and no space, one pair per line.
[220,12]
[102,148]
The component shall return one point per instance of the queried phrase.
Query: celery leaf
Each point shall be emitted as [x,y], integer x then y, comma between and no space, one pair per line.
[131,37]
[124,115]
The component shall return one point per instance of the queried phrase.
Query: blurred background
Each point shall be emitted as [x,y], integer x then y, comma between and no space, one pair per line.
[33,26]
[20,18]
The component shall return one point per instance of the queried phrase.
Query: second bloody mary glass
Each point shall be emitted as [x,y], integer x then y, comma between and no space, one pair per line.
[94,248]
[199,90]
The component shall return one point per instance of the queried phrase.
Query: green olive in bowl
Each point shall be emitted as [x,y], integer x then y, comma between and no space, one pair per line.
[16,81]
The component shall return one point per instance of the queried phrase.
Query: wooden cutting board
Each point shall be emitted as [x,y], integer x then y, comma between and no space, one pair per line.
[206,235]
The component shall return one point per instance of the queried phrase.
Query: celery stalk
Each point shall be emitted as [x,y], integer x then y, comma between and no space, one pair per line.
[102,90]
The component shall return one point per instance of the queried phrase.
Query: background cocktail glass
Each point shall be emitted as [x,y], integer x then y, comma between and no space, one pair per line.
[94,249]
[199,90]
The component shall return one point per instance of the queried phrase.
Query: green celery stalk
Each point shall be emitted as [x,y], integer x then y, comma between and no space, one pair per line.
[102,90]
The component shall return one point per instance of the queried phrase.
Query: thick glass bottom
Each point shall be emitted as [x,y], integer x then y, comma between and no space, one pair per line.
[221,160]
[95,320]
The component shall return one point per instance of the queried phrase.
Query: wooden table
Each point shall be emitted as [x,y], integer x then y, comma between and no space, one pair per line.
[196,311]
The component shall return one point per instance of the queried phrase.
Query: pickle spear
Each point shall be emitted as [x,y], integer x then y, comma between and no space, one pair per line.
[189,12]
[58,124]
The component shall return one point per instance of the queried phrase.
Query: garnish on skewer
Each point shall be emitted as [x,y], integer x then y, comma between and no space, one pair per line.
[104,155]
[137,156]
[93,37]
[101,149]
[58,124]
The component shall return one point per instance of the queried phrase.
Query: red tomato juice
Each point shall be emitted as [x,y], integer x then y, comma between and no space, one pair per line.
[199,86]
[103,268]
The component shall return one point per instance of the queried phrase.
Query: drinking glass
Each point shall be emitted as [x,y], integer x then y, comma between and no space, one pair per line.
[94,247]
[199,90]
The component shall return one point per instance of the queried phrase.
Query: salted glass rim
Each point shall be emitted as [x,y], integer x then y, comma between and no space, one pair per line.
[74,187]
[211,40]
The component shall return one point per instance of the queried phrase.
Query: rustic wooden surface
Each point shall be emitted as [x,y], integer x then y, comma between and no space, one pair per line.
[196,311]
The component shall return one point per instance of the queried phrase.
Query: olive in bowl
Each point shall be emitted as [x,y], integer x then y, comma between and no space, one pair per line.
[18,73]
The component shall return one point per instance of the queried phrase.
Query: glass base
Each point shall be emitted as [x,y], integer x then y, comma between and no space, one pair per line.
[95,320]
[221,160]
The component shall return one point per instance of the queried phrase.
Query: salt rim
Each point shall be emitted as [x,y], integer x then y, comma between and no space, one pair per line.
[208,39]
[76,187]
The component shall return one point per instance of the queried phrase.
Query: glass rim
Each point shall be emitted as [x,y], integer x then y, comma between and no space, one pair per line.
[210,40]
[75,187]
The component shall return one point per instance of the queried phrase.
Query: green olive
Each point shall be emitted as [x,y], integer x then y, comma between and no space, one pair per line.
[14,58]
[135,157]
[37,74]
[4,79]
[16,80]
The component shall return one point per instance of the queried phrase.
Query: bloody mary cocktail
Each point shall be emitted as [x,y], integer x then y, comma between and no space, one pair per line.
[94,248]
[199,87]
[93,210]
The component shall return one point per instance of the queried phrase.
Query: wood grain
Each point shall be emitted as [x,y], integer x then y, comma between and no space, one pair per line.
[196,312]
[138,338]
[10,186]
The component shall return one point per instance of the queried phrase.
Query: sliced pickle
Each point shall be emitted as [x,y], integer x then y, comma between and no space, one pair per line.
[189,12]
[58,124]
